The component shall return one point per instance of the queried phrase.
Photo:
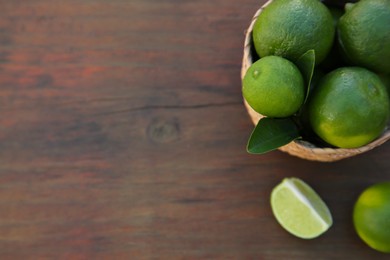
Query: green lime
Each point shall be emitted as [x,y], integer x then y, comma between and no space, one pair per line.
[349,108]
[371,216]
[289,28]
[363,34]
[274,87]
[299,209]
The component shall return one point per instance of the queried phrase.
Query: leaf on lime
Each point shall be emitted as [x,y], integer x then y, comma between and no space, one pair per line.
[306,64]
[272,133]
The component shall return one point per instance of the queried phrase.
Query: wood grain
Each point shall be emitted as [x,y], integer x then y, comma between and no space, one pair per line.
[123,133]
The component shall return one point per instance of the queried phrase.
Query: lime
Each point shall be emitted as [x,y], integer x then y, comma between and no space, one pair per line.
[299,209]
[349,108]
[289,28]
[274,87]
[363,33]
[371,216]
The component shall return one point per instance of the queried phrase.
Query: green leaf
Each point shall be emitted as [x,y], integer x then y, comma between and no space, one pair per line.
[306,65]
[272,133]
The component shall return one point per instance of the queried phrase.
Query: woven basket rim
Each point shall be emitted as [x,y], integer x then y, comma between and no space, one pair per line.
[302,148]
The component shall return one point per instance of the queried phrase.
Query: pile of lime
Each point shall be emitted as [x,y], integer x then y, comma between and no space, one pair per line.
[343,100]
[322,73]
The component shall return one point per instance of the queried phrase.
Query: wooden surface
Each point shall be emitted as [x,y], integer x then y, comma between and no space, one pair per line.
[123,133]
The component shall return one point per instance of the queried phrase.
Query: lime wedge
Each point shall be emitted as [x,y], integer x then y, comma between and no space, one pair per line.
[299,209]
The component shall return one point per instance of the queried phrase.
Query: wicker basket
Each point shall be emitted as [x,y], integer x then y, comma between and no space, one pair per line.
[301,148]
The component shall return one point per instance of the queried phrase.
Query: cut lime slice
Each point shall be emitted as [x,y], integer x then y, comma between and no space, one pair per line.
[299,209]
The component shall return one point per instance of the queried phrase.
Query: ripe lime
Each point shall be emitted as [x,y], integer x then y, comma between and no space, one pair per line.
[363,33]
[274,87]
[299,209]
[289,28]
[349,108]
[371,216]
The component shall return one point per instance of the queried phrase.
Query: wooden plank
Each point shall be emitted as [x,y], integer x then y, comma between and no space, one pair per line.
[123,133]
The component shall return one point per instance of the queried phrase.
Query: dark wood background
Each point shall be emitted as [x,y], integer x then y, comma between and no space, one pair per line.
[123,133]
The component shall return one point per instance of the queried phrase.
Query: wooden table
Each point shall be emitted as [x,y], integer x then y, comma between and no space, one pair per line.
[123,134]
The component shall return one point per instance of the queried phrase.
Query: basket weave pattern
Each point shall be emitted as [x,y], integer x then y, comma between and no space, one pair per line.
[301,148]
